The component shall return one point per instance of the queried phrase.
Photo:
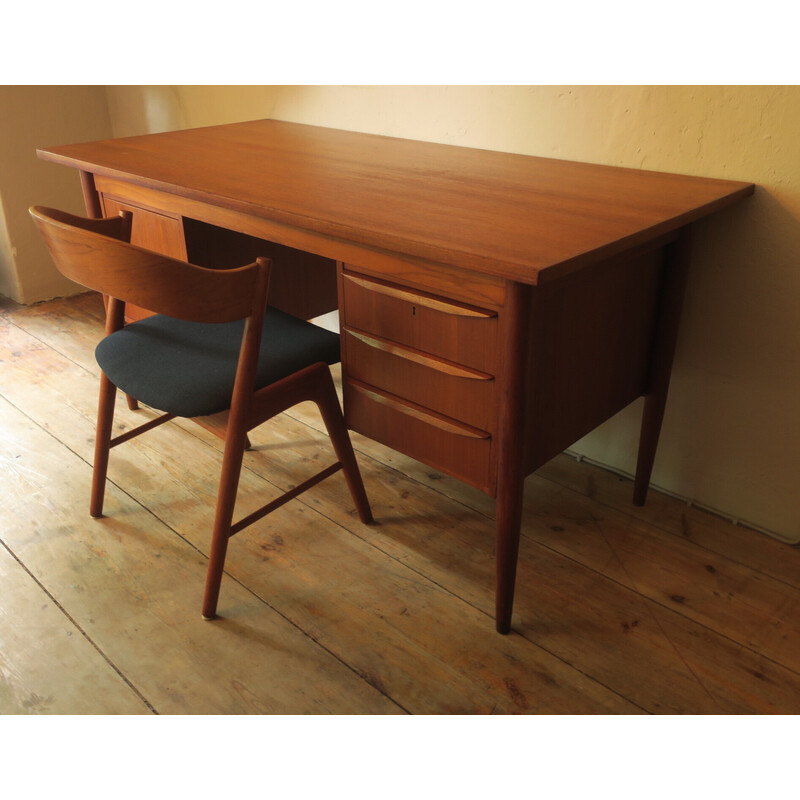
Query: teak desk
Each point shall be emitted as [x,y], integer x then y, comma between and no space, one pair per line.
[494,308]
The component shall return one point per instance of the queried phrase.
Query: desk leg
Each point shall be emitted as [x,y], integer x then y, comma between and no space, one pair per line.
[508,523]
[676,269]
[91,199]
[511,443]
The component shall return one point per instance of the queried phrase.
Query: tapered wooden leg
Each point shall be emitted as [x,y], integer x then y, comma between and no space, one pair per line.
[91,198]
[331,411]
[676,270]
[652,417]
[133,403]
[511,445]
[115,313]
[105,420]
[313,383]
[508,524]
[226,500]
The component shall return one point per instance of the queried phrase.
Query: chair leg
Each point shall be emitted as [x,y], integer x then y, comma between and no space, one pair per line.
[102,445]
[328,403]
[133,403]
[226,500]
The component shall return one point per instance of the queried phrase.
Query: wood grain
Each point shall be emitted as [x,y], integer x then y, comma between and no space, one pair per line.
[620,625]
[710,532]
[514,216]
[147,279]
[40,643]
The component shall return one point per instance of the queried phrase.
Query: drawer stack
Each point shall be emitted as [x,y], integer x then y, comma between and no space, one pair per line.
[420,374]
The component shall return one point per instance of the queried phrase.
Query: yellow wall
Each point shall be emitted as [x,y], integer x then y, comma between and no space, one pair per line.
[31,117]
[731,438]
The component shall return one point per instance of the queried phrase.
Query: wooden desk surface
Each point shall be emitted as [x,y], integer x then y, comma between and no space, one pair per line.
[520,217]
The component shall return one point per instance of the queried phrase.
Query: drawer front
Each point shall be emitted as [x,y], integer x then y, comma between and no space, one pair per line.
[458,333]
[444,444]
[453,390]
[153,231]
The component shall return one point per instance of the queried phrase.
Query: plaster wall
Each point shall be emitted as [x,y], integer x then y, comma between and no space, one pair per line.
[31,117]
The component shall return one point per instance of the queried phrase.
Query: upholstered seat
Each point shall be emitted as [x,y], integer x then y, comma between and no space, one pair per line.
[188,368]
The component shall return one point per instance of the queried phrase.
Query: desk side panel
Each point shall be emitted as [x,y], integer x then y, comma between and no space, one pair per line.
[591,340]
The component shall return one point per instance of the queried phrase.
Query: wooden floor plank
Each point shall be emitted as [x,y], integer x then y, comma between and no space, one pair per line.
[747,606]
[653,570]
[47,665]
[128,581]
[757,581]
[599,625]
[618,609]
[331,605]
[72,326]
[756,550]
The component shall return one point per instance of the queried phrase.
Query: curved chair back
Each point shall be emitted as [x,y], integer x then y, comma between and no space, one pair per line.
[97,254]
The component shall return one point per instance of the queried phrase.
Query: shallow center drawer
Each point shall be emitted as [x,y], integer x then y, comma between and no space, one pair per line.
[459,333]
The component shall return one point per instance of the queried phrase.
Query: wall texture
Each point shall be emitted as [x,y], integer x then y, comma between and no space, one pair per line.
[731,438]
[37,116]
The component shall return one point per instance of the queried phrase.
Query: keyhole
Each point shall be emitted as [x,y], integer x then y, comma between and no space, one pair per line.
[413,311]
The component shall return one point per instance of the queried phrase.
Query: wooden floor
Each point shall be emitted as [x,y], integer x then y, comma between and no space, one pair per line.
[620,610]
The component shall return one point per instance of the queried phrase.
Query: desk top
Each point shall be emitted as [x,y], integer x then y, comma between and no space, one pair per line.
[520,217]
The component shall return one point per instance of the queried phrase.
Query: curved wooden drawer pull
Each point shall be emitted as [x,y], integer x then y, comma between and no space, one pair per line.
[417,356]
[408,296]
[443,423]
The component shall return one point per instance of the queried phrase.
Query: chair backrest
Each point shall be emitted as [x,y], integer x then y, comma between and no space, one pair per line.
[97,254]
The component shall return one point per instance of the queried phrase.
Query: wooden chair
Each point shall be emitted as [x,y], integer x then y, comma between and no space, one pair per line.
[212,347]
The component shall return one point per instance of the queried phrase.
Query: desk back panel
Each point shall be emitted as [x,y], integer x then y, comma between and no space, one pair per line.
[301,283]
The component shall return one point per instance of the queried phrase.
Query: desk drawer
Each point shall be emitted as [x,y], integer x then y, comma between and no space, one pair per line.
[459,392]
[442,443]
[453,331]
[152,230]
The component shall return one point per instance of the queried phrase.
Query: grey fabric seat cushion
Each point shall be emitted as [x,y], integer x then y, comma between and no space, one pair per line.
[188,368]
